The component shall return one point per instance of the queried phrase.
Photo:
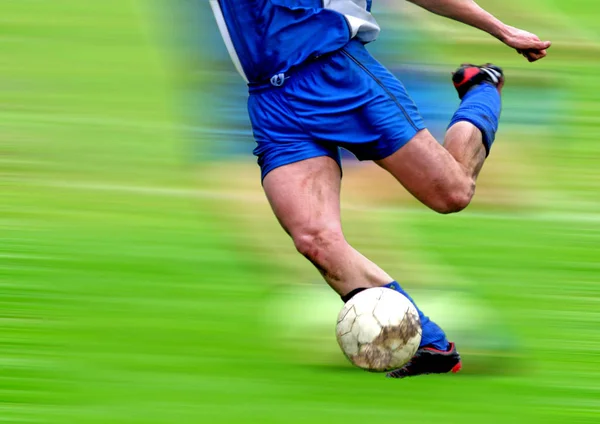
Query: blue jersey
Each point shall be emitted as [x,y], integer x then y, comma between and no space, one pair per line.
[266,38]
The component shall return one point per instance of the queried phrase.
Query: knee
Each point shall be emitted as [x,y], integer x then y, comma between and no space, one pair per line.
[456,198]
[316,243]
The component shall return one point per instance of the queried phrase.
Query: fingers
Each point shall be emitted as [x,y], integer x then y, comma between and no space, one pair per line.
[530,46]
[533,55]
[543,45]
[537,55]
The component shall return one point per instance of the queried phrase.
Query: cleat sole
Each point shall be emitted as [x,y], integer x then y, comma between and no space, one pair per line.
[457,368]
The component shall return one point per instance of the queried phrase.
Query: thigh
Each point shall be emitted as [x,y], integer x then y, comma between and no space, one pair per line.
[427,170]
[305,196]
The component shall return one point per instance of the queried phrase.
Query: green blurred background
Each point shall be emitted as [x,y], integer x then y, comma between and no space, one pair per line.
[144,280]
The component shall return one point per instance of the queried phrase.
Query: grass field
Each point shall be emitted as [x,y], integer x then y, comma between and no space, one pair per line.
[135,282]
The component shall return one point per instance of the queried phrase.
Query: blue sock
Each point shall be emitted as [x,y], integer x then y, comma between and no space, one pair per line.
[481,106]
[433,335]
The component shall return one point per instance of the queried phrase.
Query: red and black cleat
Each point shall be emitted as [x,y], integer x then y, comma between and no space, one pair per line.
[468,76]
[428,360]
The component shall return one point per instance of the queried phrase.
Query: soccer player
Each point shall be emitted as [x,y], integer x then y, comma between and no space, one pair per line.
[314,88]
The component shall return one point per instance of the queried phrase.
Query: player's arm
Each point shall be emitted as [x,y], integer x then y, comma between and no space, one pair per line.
[470,13]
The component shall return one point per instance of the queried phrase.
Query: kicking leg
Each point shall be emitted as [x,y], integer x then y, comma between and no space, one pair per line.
[305,197]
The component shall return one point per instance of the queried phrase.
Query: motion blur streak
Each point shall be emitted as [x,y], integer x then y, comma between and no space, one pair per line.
[144,280]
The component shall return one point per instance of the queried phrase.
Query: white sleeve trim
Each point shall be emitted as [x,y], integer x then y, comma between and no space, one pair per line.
[227,38]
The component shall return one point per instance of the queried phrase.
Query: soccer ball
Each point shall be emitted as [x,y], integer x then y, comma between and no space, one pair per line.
[379,330]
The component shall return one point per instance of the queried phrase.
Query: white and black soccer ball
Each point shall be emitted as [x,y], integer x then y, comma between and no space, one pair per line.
[379,330]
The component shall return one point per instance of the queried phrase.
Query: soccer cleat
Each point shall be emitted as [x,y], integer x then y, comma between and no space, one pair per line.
[428,360]
[468,76]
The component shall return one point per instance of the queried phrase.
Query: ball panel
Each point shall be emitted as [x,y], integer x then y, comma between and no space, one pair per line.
[403,355]
[346,322]
[388,310]
[404,339]
[373,357]
[365,301]
[366,328]
[349,344]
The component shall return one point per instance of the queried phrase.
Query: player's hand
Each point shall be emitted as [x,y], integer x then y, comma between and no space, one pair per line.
[526,44]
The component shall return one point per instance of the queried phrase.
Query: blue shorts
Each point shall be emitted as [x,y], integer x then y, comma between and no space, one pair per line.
[345,99]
